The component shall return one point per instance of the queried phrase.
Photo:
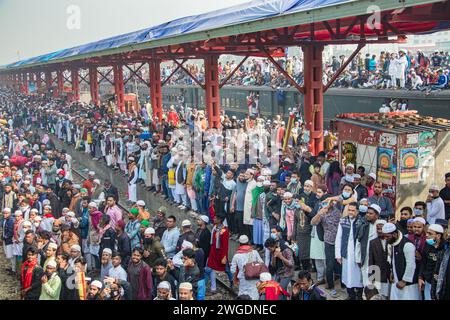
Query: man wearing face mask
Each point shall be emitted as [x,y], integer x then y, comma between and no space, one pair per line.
[294,185]
[431,252]
[420,209]
[363,207]
[435,205]
[402,259]
[366,233]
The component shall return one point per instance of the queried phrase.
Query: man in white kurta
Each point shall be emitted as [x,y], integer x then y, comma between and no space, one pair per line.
[351,272]
[248,221]
[245,254]
[401,289]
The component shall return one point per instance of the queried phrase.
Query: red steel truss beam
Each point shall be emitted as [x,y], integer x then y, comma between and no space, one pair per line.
[282,71]
[134,72]
[104,76]
[190,74]
[173,73]
[342,68]
[227,78]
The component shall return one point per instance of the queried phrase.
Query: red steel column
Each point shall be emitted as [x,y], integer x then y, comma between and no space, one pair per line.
[313,99]
[93,85]
[118,87]
[60,83]
[38,81]
[75,84]
[25,82]
[16,82]
[48,80]
[212,91]
[156,89]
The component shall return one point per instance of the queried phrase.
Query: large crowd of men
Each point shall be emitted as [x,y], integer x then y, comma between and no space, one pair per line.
[69,241]
[387,70]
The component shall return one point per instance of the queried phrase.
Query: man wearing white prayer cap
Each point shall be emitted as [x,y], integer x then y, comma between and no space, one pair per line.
[403,262]
[203,235]
[367,232]
[435,205]
[95,289]
[251,185]
[265,276]
[164,291]
[185,291]
[433,249]
[51,282]
[378,259]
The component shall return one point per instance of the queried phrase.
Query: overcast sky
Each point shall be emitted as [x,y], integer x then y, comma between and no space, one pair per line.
[30,28]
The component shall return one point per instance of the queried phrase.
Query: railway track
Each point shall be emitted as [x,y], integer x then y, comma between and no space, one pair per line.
[225,288]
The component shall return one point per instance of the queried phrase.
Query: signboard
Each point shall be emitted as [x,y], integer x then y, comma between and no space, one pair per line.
[385,165]
[409,165]
[388,139]
[427,138]
[412,138]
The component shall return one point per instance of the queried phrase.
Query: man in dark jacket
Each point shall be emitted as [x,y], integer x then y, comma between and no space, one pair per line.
[378,257]
[361,191]
[189,272]
[140,277]
[54,202]
[432,249]
[186,234]
[305,289]
[110,190]
[31,275]
[123,244]
[109,234]
[203,236]
[161,274]
[7,237]
[28,241]
[66,274]
[153,249]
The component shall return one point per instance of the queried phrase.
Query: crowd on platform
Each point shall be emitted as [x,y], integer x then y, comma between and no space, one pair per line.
[69,241]
[402,70]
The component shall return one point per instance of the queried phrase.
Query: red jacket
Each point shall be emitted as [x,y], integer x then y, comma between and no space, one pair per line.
[216,255]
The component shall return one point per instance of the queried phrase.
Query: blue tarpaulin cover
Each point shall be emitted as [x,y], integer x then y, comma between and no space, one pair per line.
[247,12]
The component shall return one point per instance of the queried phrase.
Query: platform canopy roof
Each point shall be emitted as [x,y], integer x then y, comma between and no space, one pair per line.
[294,17]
